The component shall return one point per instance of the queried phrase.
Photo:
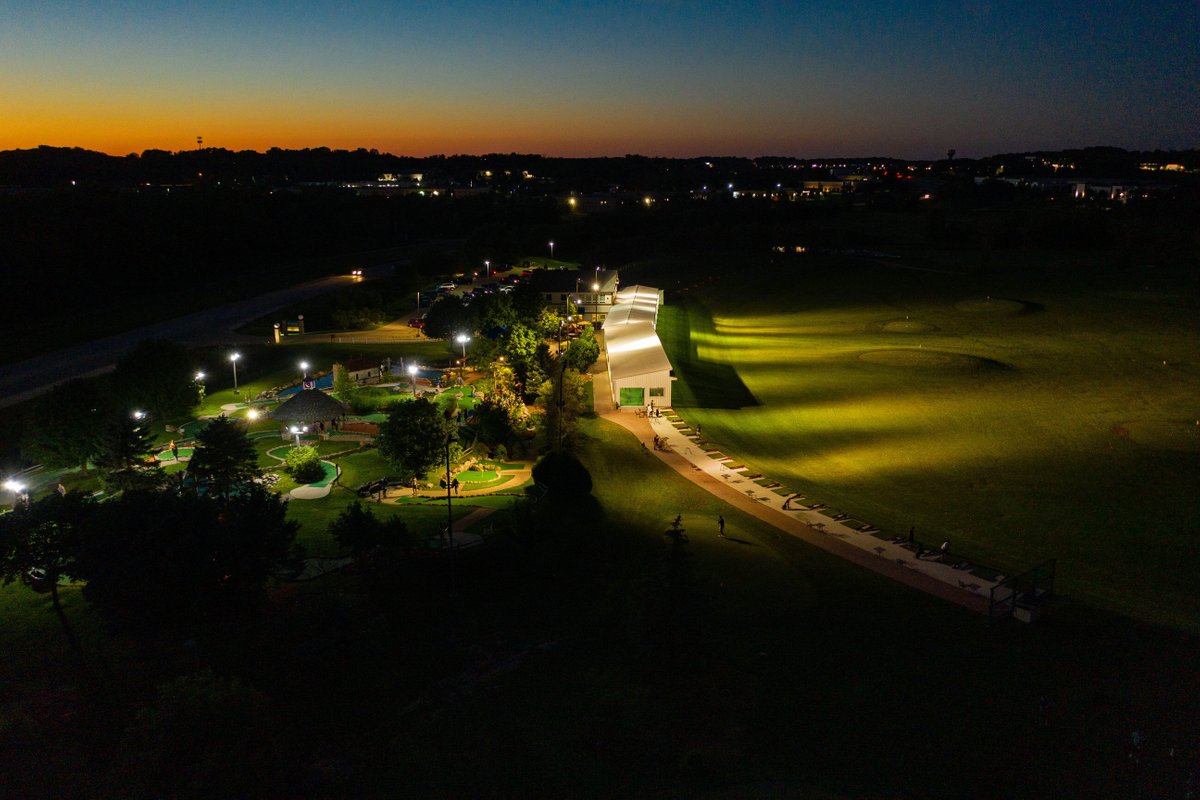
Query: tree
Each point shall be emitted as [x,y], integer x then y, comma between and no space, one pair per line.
[413,437]
[40,543]
[446,317]
[520,344]
[65,426]
[562,398]
[304,465]
[343,387]
[584,351]
[154,558]
[121,451]
[158,376]
[371,541]
[224,456]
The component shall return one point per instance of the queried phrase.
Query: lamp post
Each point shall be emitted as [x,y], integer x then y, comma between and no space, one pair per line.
[297,430]
[412,373]
[463,339]
[304,369]
[449,512]
[233,359]
[551,250]
[595,301]
[18,490]
[199,384]
[487,268]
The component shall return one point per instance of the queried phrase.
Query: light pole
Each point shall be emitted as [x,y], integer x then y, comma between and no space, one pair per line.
[487,268]
[595,301]
[463,339]
[233,359]
[449,512]
[412,373]
[199,385]
[18,490]
[304,369]
[297,430]
[551,251]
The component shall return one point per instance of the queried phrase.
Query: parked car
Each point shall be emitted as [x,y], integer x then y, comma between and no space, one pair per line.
[417,322]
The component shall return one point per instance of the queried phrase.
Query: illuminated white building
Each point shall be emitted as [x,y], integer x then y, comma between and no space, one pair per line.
[638,370]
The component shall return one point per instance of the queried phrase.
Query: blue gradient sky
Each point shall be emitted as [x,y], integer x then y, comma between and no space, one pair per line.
[590,78]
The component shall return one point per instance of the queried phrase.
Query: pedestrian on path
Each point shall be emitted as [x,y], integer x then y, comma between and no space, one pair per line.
[720,526]
[697,428]
[454,485]
[174,450]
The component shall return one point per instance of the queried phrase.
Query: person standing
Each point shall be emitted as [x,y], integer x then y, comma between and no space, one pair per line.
[174,450]
[454,485]
[721,526]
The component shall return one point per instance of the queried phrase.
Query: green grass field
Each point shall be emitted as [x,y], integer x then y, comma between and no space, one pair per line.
[1021,415]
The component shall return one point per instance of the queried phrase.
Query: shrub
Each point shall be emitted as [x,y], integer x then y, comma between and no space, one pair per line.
[304,465]
[501,453]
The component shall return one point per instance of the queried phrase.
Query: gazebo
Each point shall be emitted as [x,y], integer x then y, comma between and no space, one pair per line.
[309,406]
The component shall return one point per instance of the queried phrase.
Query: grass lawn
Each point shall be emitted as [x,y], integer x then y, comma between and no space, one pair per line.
[1021,415]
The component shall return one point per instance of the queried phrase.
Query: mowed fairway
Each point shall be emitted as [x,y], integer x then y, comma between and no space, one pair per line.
[1021,416]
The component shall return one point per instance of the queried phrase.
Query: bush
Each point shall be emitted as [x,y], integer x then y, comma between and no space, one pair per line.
[304,465]
[501,453]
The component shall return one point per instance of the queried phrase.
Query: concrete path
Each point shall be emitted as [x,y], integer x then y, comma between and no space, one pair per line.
[687,458]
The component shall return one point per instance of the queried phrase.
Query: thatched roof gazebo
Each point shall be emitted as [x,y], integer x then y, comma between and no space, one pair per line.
[308,405]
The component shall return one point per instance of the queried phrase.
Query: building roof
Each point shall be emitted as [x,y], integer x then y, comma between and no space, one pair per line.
[309,405]
[629,336]
[634,350]
[634,304]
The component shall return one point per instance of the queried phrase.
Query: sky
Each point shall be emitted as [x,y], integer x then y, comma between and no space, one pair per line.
[908,79]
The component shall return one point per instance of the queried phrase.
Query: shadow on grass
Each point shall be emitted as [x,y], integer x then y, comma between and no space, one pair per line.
[700,383]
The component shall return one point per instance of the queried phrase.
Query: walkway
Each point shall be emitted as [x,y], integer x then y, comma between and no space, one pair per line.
[892,560]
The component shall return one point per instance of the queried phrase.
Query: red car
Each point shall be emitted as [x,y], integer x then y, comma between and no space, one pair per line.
[417,322]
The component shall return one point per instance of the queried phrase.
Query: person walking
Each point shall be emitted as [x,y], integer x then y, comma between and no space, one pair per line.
[174,450]
[454,485]
[721,526]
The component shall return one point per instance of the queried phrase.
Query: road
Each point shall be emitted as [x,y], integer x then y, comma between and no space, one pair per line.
[27,379]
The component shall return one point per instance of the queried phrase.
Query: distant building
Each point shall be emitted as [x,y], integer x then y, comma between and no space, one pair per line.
[365,371]
[572,292]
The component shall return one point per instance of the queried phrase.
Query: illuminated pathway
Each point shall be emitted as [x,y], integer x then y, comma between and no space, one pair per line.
[883,557]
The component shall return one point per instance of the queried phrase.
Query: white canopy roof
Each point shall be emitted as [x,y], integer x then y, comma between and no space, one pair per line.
[629,337]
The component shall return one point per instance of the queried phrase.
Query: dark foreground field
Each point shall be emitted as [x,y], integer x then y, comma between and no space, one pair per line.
[596,659]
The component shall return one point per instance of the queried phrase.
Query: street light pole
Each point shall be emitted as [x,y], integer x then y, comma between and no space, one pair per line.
[595,301]
[297,431]
[233,359]
[463,339]
[449,514]
[412,373]
[551,251]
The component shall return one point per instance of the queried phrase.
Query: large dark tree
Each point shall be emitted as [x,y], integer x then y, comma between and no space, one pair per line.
[152,558]
[65,425]
[40,543]
[224,456]
[413,437]
[121,451]
[448,317]
[159,377]
[370,540]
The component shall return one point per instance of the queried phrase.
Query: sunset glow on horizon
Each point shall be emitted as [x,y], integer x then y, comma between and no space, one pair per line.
[584,79]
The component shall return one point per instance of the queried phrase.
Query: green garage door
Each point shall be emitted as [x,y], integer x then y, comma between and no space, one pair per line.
[633,397]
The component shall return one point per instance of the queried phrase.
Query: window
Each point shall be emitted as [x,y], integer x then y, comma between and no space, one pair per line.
[656,391]
[633,396]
